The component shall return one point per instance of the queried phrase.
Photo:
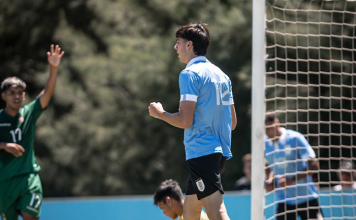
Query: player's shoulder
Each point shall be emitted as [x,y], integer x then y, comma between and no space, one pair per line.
[269,145]
[293,134]
[30,107]
[189,76]
[196,68]
[188,72]
[268,140]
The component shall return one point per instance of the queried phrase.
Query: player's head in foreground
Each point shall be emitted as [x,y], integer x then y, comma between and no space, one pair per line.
[272,126]
[169,198]
[192,40]
[13,92]
[346,173]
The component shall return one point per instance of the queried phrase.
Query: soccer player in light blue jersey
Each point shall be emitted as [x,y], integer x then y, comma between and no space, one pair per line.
[292,162]
[207,114]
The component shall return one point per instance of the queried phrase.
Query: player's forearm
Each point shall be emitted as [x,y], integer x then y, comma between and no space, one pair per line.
[2,145]
[51,82]
[47,93]
[174,119]
[313,166]
[301,176]
[270,173]
[270,182]
[296,178]
[233,117]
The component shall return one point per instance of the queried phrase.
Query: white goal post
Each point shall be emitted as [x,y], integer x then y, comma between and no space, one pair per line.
[258,110]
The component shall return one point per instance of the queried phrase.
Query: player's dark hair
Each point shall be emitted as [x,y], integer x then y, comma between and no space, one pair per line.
[12,81]
[270,117]
[169,188]
[198,34]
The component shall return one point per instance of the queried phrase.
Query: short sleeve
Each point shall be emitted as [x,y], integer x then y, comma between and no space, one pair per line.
[305,151]
[34,108]
[231,96]
[189,86]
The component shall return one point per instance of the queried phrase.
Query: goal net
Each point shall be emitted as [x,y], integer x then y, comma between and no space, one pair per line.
[310,84]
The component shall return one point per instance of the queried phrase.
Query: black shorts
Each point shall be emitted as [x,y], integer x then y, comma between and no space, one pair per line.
[204,175]
[307,210]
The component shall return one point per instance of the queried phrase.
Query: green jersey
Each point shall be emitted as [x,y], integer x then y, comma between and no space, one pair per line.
[19,129]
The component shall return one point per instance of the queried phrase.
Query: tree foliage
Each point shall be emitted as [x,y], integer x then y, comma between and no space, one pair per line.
[96,137]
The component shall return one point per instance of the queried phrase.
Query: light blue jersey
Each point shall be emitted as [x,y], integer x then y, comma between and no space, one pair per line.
[287,157]
[210,132]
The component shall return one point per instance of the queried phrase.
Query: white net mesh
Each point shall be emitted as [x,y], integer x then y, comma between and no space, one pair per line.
[311,86]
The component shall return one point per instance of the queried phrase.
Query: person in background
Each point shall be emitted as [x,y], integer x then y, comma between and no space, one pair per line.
[244,183]
[292,161]
[346,176]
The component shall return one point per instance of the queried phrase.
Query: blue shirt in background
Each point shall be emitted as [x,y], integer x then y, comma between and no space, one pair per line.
[287,157]
[204,83]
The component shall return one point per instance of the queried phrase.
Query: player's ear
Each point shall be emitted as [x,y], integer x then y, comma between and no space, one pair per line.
[169,200]
[189,44]
[23,95]
[3,96]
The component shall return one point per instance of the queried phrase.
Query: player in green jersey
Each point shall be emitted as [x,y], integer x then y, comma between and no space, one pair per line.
[20,186]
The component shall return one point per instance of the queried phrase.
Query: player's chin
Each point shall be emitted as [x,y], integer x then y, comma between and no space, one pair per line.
[174,217]
[16,106]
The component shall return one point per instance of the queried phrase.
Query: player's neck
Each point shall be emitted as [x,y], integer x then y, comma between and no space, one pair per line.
[11,111]
[180,208]
[278,134]
[191,56]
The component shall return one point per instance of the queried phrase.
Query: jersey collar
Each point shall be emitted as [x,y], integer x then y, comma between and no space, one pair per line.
[283,137]
[197,60]
[10,116]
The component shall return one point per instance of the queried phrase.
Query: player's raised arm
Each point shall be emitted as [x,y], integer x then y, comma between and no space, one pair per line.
[54,58]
